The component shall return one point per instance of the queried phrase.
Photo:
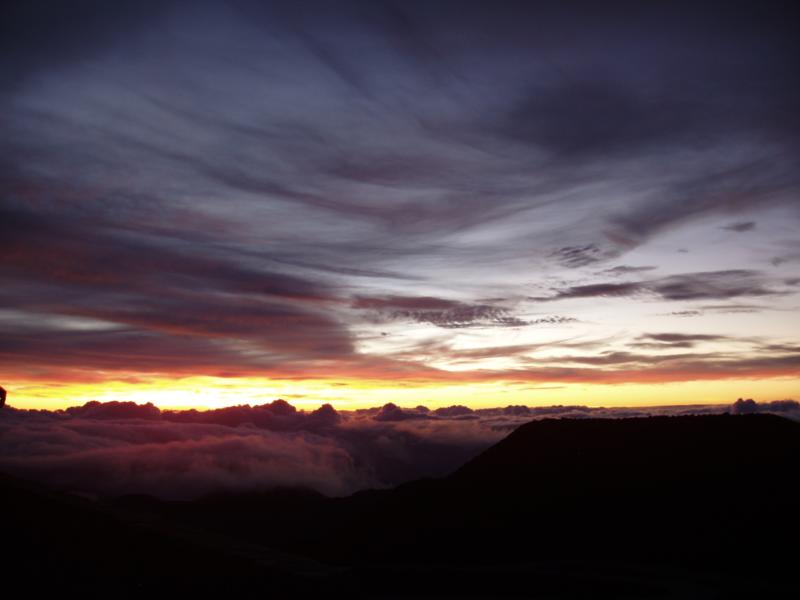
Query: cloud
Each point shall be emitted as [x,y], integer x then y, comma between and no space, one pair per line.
[392,412]
[709,285]
[448,314]
[676,340]
[584,118]
[741,226]
[734,308]
[29,40]
[626,270]
[577,256]
[121,448]
[245,187]
[62,249]
[156,304]
[457,410]
[671,338]
[722,186]
[115,410]
[195,460]
[553,320]
[790,408]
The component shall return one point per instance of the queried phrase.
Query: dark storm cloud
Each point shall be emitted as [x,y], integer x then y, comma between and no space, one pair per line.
[710,285]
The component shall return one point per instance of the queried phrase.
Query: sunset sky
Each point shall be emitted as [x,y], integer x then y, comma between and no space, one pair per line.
[215,203]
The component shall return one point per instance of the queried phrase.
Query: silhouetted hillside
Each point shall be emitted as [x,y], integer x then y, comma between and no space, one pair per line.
[61,543]
[655,447]
[711,494]
[638,508]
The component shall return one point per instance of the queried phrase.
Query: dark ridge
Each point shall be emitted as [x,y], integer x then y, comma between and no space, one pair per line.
[690,506]
[55,542]
[648,447]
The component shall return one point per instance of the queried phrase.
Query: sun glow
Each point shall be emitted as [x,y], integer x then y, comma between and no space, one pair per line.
[215,392]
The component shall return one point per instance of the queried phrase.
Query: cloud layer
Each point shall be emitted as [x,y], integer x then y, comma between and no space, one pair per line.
[123,448]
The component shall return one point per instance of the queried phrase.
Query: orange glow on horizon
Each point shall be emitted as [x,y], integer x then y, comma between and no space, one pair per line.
[203,392]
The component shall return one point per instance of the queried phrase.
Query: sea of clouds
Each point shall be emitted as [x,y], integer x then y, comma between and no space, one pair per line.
[117,448]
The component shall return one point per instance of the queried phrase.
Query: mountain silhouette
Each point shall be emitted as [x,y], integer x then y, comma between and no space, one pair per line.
[637,508]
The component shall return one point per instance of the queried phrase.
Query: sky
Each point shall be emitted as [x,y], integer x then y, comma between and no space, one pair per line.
[205,204]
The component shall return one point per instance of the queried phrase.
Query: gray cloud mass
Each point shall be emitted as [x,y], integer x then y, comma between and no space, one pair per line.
[119,448]
[251,186]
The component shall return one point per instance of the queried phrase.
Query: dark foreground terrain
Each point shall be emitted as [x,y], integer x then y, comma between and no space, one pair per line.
[660,507]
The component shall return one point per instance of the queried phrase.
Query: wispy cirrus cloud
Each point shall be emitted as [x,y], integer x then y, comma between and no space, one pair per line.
[711,285]
[448,314]
[741,226]
[258,188]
